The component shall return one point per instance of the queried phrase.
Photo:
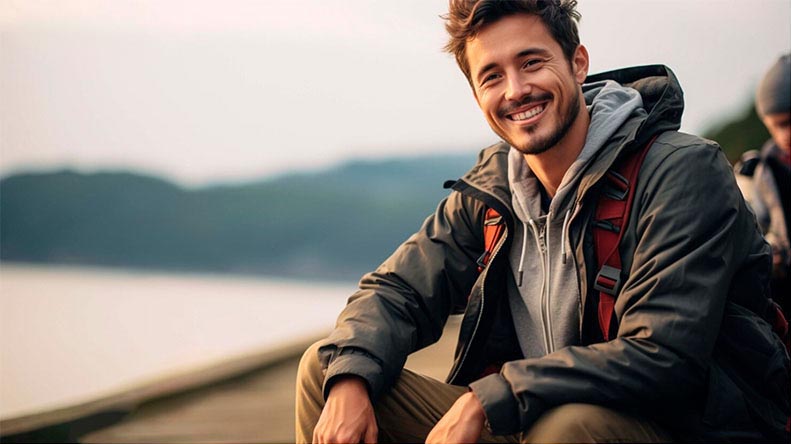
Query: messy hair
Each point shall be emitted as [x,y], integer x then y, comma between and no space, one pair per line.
[466,18]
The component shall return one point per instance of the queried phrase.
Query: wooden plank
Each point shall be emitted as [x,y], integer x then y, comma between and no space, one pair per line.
[128,400]
[254,408]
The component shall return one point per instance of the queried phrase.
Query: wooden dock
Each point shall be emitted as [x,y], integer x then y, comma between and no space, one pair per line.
[239,403]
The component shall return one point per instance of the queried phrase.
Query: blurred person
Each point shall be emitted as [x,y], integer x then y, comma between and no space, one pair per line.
[765,175]
[541,356]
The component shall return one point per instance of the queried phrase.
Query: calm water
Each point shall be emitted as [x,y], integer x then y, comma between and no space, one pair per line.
[68,335]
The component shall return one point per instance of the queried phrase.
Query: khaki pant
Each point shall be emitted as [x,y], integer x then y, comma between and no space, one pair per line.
[408,412]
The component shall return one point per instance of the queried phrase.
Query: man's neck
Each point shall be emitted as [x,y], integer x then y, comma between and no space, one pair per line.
[551,165]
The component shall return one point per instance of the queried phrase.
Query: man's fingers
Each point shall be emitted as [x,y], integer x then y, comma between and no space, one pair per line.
[371,434]
[338,437]
[334,431]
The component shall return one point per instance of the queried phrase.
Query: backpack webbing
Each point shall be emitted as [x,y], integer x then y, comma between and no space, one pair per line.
[609,223]
[493,228]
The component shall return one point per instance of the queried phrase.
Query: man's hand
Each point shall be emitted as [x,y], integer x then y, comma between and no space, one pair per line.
[348,416]
[462,423]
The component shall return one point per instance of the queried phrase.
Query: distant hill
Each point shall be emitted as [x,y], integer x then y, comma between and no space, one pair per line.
[743,133]
[337,223]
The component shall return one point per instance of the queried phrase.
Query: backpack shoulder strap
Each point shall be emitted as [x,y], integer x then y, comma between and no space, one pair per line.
[610,221]
[493,229]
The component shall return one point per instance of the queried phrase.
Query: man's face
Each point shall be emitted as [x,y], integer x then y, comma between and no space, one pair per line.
[779,126]
[524,85]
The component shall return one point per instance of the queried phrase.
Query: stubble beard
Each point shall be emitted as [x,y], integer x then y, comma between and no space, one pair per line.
[543,144]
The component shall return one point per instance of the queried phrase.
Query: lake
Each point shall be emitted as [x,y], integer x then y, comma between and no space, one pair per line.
[69,335]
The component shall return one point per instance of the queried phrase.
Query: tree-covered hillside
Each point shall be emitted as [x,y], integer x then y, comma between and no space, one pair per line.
[743,133]
[334,224]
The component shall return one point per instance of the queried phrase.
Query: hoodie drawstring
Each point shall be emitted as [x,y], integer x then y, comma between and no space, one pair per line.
[521,270]
[544,236]
[564,234]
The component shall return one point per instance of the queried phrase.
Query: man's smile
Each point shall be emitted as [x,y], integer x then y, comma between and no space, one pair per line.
[528,110]
[528,113]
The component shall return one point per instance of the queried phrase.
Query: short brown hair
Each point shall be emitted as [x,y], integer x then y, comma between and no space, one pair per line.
[466,18]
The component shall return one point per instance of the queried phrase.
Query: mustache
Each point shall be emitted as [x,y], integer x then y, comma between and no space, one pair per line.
[525,100]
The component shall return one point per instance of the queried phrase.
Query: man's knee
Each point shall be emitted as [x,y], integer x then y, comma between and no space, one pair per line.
[592,423]
[309,397]
[309,372]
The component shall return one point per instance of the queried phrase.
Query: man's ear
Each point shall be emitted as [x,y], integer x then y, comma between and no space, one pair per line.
[580,64]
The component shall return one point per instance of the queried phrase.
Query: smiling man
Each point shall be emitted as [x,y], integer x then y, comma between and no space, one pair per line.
[566,336]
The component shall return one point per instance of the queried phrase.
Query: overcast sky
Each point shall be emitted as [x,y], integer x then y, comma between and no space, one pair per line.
[207,91]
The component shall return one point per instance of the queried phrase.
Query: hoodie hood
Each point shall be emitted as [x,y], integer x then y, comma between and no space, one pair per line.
[660,91]
[663,101]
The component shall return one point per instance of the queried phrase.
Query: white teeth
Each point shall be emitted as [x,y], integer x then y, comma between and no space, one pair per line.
[527,114]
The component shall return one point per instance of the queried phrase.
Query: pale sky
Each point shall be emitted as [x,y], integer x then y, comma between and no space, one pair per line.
[207,91]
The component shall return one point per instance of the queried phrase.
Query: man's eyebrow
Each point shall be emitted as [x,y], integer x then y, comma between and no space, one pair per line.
[520,54]
[532,51]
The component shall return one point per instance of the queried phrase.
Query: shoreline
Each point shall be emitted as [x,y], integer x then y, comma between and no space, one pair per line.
[127,399]
[72,336]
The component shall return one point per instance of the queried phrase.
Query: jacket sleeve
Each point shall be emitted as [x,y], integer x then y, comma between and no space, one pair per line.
[693,234]
[768,208]
[403,305]
[747,170]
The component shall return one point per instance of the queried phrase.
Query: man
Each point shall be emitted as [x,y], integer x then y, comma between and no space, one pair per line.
[533,364]
[765,176]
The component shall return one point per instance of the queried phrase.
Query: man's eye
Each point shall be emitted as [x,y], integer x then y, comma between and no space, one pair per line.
[531,63]
[489,78]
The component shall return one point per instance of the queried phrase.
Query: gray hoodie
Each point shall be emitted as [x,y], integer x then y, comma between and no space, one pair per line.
[547,316]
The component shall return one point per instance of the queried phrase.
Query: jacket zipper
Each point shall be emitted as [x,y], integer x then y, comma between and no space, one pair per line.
[581,278]
[577,209]
[483,302]
[542,242]
[546,313]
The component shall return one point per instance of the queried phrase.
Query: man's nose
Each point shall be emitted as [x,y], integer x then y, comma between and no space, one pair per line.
[517,87]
